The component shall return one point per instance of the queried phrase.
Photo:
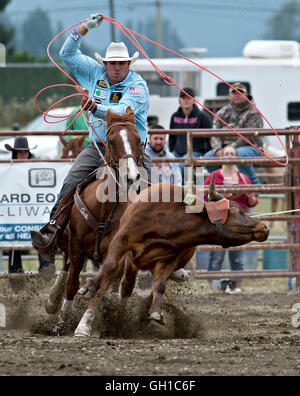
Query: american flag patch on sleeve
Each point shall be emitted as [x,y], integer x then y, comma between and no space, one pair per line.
[75,36]
[135,90]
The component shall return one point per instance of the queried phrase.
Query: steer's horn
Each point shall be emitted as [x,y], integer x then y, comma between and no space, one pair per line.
[212,188]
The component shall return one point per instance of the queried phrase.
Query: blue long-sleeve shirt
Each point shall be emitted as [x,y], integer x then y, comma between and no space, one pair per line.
[132,91]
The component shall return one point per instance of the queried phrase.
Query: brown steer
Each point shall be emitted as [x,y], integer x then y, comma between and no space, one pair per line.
[161,237]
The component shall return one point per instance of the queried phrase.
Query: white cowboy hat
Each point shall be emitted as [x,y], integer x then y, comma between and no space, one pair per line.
[117,52]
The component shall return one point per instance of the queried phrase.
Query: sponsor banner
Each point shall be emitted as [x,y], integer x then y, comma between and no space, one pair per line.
[28,192]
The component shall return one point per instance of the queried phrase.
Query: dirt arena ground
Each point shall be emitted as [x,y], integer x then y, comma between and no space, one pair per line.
[204,334]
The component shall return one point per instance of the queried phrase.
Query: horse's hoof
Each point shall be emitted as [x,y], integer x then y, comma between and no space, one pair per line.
[51,308]
[82,291]
[83,331]
[81,335]
[157,317]
[180,276]
[87,292]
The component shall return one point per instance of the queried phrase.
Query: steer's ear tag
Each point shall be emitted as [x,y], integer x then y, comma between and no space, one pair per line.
[189,199]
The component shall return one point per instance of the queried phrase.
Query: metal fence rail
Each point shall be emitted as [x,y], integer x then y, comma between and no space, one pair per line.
[290,188]
[198,275]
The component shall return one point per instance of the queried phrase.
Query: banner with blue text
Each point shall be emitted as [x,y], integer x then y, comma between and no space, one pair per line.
[28,192]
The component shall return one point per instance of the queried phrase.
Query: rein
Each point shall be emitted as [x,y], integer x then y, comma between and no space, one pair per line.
[102,229]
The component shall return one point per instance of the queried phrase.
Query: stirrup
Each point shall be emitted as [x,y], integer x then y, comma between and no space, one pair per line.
[46,251]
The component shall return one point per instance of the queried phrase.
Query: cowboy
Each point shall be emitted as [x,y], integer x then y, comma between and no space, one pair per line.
[21,150]
[110,85]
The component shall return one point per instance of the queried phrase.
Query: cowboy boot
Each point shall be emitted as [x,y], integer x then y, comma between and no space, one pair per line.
[46,245]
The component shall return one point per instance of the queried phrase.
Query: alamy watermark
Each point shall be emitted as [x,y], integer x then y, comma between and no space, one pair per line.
[2,316]
[2,55]
[296,316]
[132,185]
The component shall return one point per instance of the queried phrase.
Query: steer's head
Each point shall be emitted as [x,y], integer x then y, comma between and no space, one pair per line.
[232,226]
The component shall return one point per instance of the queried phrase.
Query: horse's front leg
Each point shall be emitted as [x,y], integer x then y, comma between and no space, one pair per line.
[77,260]
[109,272]
[53,304]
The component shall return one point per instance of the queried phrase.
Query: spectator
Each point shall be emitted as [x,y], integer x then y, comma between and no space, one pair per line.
[229,174]
[238,114]
[21,151]
[188,116]
[156,148]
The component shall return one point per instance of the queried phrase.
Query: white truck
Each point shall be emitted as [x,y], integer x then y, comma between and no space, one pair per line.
[269,69]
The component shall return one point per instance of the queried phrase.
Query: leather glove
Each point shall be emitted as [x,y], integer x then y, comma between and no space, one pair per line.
[89,104]
[95,21]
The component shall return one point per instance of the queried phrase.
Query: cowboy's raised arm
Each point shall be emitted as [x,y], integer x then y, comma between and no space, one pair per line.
[82,66]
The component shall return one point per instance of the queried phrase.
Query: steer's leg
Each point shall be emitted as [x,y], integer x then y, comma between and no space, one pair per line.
[161,273]
[128,281]
[109,272]
[77,260]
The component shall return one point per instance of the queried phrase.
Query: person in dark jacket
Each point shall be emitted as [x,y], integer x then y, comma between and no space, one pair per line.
[189,116]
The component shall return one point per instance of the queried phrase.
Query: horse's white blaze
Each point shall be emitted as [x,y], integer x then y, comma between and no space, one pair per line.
[132,170]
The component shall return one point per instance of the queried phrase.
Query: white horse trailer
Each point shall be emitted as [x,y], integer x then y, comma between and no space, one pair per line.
[269,69]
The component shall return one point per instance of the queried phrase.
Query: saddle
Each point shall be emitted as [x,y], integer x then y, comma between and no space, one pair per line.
[100,229]
[58,224]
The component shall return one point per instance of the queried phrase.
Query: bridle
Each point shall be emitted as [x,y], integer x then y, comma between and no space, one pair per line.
[115,163]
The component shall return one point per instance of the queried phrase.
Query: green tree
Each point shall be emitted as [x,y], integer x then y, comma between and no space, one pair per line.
[7,32]
[37,33]
[171,39]
[285,23]
[7,36]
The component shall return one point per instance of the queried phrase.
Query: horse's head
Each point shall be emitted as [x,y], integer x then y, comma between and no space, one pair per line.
[72,147]
[123,150]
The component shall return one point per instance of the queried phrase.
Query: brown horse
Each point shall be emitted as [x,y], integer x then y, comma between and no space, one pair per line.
[123,143]
[161,237]
[72,147]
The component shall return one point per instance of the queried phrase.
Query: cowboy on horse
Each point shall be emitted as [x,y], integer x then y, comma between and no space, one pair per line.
[110,85]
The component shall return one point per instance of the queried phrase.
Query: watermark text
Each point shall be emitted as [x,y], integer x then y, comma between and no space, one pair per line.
[2,316]
[2,55]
